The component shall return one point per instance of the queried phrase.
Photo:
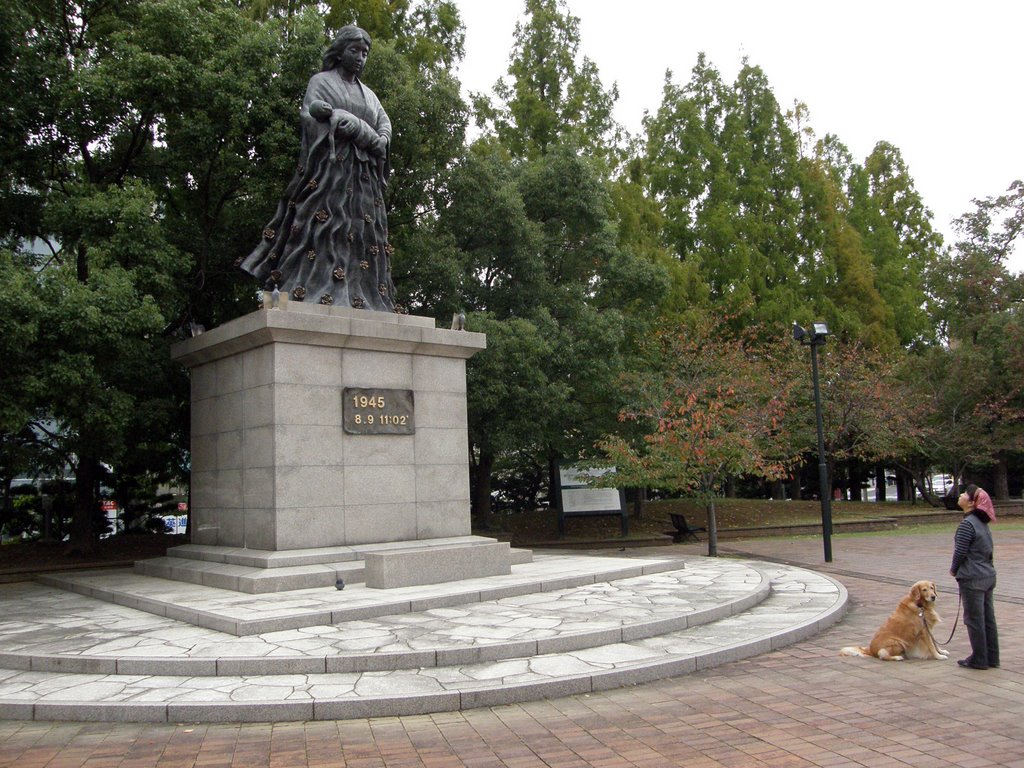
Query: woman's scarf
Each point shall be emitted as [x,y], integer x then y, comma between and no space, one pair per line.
[983,502]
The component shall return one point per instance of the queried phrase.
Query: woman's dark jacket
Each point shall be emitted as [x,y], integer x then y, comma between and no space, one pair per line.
[972,553]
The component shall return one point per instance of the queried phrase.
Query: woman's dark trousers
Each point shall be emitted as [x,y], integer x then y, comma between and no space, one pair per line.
[980,620]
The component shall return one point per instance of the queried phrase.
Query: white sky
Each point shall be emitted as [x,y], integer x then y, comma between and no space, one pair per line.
[940,80]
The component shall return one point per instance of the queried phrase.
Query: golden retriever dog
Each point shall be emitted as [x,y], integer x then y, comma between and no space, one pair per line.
[906,634]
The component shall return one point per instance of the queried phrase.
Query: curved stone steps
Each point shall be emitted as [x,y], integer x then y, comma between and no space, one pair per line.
[801,604]
[244,614]
[111,640]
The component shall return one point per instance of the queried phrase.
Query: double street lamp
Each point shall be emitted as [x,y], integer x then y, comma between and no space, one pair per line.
[814,337]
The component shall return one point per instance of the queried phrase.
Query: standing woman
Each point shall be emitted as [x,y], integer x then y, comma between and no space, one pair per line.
[328,241]
[973,570]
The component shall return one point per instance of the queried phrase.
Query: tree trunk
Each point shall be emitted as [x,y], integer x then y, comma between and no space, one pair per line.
[1001,479]
[639,497]
[794,487]
[481,505]
[6,500]
[904,485]
[927,494]
[82,263]
[855,490]
[879,483]
[83,536]
[778,490]
[712,530]
[730,488]
[46,501]
[188,505]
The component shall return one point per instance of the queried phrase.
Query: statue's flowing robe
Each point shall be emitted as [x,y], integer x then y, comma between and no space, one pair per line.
[328,240]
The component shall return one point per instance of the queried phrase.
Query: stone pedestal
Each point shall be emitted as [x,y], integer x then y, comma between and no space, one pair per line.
[272,466]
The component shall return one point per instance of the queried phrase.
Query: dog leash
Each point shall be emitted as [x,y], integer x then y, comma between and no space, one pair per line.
[959,602]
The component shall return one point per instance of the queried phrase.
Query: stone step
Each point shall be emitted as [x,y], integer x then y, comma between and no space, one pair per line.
[252,581]
[801,604]
[258,572]
[245,614]
[530,624]
[261,558]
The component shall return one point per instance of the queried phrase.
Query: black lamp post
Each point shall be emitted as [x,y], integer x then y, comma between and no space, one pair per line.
[814,338]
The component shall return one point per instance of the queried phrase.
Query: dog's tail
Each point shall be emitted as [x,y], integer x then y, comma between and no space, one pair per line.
[854,650]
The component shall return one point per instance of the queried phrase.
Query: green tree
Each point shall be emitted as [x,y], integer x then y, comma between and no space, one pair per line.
[895,226]
[147,144]
[510,396]
[536,266]
[228,129]
[428,32]
[528,230]
[640,224]
[724,165]
[762,156]
[99,353]
[838,275]
[760,210]
[554,97]
[976,305]
[686,169]
[21,309]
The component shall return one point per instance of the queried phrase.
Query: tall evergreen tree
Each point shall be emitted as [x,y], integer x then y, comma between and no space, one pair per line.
[687,173]
[554,96]
[836,268]
[761,153]
[724,165]
[896,229]
[539,249]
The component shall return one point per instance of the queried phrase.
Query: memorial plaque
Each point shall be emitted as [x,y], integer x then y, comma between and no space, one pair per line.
[377,411]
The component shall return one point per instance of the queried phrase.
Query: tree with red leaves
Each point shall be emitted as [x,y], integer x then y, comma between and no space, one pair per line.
[710,406]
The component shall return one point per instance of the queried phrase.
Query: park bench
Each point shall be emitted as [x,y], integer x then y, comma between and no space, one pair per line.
[683,531]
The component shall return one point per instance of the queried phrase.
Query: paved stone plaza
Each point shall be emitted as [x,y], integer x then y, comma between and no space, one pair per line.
[799,705]
[562,624]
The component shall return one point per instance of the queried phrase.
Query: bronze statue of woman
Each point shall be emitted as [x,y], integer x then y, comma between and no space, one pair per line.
[328,240]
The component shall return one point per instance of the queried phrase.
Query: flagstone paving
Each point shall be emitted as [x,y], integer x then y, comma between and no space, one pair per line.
[801,705]
[45,627]
[71,656]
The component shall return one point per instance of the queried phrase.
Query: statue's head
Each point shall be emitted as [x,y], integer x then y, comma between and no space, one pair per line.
[347,36]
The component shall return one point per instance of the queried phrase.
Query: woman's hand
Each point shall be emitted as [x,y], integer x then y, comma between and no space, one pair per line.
[380,147]
[344,123]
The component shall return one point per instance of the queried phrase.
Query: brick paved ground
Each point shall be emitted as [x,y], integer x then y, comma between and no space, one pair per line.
[802,706]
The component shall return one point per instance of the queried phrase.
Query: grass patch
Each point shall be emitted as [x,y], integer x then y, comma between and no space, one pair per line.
[917,528]
[542,525]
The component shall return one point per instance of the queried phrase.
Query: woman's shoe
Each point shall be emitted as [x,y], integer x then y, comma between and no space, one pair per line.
[970,664]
